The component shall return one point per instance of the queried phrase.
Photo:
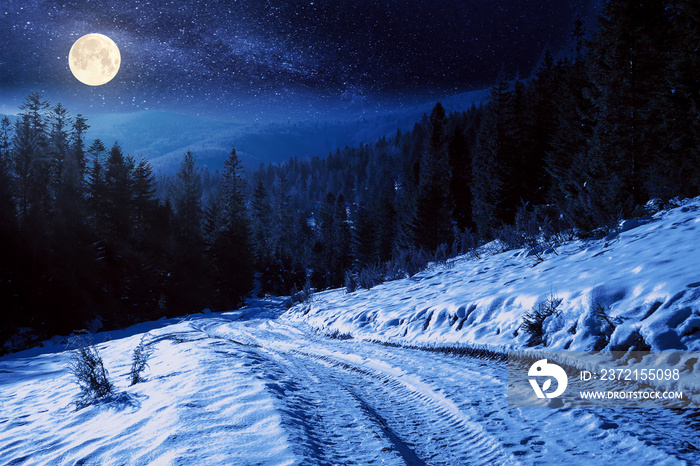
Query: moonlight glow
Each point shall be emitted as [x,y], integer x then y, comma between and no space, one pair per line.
[94,59]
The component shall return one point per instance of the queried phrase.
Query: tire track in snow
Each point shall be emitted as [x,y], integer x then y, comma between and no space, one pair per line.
[434,408]
[438,431]
[325,424]
[418,425]
[665,435]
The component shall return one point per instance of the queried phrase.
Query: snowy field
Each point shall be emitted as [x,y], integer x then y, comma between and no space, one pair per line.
[226,390]
[265,386]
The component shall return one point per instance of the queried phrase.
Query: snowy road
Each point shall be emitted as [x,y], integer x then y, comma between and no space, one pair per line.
[225,390]
[344,401]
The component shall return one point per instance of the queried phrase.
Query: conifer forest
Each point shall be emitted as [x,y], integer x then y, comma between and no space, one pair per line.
[89,232]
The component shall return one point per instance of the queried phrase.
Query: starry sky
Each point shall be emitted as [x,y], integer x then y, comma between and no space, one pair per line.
[276,59]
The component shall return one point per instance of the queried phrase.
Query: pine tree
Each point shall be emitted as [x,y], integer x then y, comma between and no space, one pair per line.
[80,126]
[59,147]
[538,120]
[568,160]
[386,217]
[364,236]
[36,108]
[32,164]
[281,242]
[461,140]
[261,227]
[69,161]
[213,221]
[324,247]
[341,241]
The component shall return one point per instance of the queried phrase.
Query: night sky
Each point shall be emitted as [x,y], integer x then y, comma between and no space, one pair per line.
[275,59]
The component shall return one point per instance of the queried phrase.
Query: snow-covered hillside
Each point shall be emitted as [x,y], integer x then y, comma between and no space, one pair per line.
[263,386]
[645,277]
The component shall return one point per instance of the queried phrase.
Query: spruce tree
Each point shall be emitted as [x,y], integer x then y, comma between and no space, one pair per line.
[96,190]
[59,147]
[231,244]
[261,221]
[32,164]
[490,167]
[186,198]
[7,201]
[434,204]
[364,236]
[144,200]
[677,170]
[626,68]
[118,191]
[460,156]
[568,160]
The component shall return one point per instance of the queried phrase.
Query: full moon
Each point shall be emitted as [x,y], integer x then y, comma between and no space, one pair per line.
[94,59]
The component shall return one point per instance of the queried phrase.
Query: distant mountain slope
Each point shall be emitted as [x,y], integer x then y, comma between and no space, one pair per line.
[163,137]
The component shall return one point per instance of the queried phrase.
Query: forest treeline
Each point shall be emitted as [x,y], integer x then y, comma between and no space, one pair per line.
[86,230]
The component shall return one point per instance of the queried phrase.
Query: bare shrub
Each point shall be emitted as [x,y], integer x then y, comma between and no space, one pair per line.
[305,295]
[554,226]
[465,241]
[87,367]
[635,342]
[338,335]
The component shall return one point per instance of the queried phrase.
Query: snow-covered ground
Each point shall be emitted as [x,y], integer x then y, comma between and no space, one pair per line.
[264,386]
[645,276]
[237,389]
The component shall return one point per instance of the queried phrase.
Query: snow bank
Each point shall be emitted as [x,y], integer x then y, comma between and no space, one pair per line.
[639,288]
[200,403]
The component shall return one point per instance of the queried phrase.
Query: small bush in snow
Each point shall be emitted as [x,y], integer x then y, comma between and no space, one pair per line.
[527,228]
[408,263]
[350,282]
[509,238]
[307,291]
[139,360]
[606,326]
[87,367]
[465,241]
[305,295]
[338,335]
[370,276]
[533,321]
[634,341]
